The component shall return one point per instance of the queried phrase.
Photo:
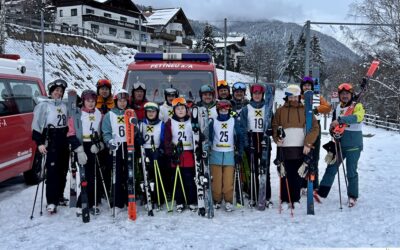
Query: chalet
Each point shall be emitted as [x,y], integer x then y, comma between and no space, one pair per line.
[116,21]
[172,30]
[234,48]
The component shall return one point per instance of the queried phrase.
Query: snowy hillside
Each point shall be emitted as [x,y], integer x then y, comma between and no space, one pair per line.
[83,66]
[372,223]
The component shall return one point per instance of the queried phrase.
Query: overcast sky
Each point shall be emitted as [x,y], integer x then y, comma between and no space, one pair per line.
[297,11]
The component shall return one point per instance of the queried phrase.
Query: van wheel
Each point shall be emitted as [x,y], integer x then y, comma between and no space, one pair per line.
[33,176]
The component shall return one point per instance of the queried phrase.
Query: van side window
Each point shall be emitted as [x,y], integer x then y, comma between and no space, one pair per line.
[6,103]
[23,93]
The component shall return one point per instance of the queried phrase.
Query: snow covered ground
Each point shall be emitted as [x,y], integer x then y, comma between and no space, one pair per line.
[374,222]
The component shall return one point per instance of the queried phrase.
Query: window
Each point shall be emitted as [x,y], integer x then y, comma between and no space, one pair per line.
[124,19]
[61,13]
[18,97]
[74,12]
[89,11]
[107,15]
[74,28]
[128,34]
[95,28]
[136,22]
[113,31]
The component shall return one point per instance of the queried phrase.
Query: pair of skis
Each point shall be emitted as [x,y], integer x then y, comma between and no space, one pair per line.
[202,168]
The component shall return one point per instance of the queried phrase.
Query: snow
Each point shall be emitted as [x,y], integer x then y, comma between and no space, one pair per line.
[372,223]
[161,16]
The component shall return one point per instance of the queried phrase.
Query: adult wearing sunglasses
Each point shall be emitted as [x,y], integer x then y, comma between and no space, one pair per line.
[138,99]
[49,131]
[223,90]
[105,100]
[351,145]
[239,99]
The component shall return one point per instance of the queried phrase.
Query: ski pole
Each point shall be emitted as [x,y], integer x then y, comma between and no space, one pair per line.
[162,185]
[104,185]
[37,187]
[43,180]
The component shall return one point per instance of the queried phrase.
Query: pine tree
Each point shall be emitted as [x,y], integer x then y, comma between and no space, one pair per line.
[316,53]
[207,42]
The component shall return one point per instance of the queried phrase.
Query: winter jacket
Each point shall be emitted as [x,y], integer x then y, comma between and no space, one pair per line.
[351,139]
[293,121]
[226,158]
[138,106]
[106,125]
[257,137]
[104,105]
[237,106]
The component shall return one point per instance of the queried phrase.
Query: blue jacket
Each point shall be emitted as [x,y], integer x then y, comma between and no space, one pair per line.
[226,158]
[106,127]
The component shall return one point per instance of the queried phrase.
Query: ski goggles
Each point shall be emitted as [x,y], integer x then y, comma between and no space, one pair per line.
[179,101]
[58,83]
[104,83]
[239,86]
[121,96]
[222,83]
[346,87]
[224,104]
[139,85]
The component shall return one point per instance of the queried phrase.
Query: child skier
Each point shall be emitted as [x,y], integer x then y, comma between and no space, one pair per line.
[114,137]
[105,100]
[223,132]
[81,144]
[178,130]
[295,145]
[166,109]
[49,131]
[253,121]
[152,137]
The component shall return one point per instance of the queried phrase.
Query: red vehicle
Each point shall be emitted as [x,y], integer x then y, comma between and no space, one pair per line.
[186,72]
[19,85]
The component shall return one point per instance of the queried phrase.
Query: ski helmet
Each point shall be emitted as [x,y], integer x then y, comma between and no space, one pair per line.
[222,84]
[103,83]
[151,106]
[88,94]
[292,90]
[121,94]
[206,89]
[257,87]
[57,83]
[171,92]
[305,80]
[346,87]
[238,86]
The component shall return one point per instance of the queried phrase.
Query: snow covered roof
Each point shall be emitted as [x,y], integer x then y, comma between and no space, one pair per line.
[162,17]
[219,45]
[232,39]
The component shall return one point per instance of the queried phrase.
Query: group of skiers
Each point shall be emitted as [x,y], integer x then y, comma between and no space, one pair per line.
[236,132]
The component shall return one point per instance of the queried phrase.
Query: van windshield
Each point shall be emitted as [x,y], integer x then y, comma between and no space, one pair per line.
[184,81]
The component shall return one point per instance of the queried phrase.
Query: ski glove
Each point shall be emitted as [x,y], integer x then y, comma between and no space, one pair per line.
[281,170]
[81,155]
[95,148]
[112,145]
[303,170]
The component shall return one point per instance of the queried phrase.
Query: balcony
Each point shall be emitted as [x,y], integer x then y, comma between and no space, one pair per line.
[106,20]
[163,36]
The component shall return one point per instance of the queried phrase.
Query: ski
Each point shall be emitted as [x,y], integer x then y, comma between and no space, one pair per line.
[265,146]
[198,160]
[146,186]
[207,180]
[72,98]
[130,123]
[308,107]
[75,113]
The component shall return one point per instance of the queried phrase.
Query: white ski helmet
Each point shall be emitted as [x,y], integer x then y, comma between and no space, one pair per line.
[121,94]
[292,90]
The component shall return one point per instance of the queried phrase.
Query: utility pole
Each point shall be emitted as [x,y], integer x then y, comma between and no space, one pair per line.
[2,26]
[225,55]
[42,36]
[140,33]
[307,52]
